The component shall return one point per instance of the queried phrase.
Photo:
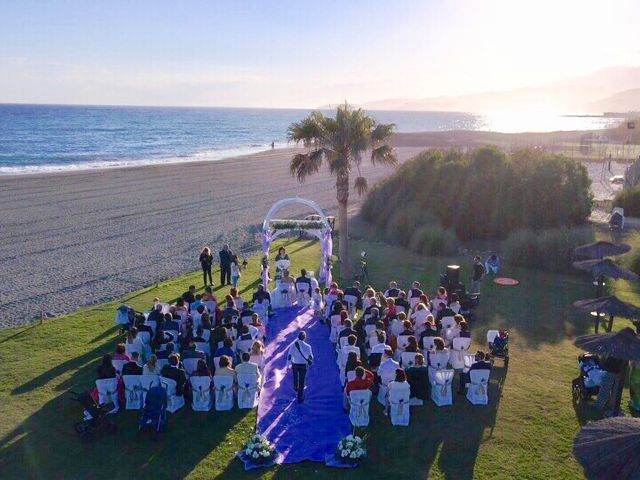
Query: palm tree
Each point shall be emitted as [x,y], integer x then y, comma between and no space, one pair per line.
[340,142]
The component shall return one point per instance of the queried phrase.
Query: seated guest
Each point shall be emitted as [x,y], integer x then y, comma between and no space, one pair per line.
[121,353]
[392,291]
[454,304]
[132,341]
[106,368]
[132,367]
[415,291]
[355,291]
[170,323]
[189,351]
[390,311]
[363,380]
[464,329]
[205,321]
[481,363]
[256,328]
[246,311]
[336,308]
[444,311]
[248,367]
[412,345]
[257,348]
[231,310]
[418,378]
[225,350]
[348,330]
[156,314]
[164,354]
[196,315]
[201,369]
[375,357]
[334,289]
[237,299]
[199,336]
[400,383]
[142,327]
[419,316]
[193,306]
[439,346]
[388,364]
[261,294]
[401,301]
[430,329]
[181,309]
[397,325]
[245,334]
[442,294]
[407,328]
[370,304]
[190,295]
[374,316]
[173,371]
[219,335]
[492,264]
[151,367]
[352,363]
[225,368]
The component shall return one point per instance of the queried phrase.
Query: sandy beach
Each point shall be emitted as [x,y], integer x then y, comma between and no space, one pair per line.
[74,239]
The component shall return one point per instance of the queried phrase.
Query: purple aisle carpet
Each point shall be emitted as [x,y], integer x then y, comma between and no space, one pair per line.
[309,430]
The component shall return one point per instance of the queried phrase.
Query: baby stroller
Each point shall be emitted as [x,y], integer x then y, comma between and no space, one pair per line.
[498,341]
[125,317]
[96,419]
[154,413]
[587,384]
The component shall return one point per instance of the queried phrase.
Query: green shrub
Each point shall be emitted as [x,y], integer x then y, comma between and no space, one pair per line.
[484,194]
[433,240]
[629,199]
[550,249]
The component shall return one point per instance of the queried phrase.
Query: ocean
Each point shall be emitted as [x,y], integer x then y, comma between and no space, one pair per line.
[45,138]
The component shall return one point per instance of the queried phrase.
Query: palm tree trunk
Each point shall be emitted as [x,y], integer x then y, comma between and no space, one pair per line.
[342,195]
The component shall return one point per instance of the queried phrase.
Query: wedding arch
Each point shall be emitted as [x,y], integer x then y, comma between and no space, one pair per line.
[273,228]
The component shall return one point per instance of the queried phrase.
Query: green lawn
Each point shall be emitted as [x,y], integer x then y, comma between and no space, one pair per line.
[525,431]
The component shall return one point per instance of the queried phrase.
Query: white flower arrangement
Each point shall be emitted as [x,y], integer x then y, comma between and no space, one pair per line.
[351,449]
[259,450]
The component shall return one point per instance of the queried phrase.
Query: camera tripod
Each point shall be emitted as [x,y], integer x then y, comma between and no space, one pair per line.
[363,275]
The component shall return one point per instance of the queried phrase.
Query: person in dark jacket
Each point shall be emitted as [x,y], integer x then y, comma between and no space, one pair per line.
[206,261]
[190,295]
[106,368]
[132,367]
[356,292]
[348,330]
[226,255]
[173,371]
[418,378]
[260,294]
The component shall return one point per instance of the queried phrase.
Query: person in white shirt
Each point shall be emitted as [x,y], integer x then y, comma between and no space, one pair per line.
[388,365]
[300,356]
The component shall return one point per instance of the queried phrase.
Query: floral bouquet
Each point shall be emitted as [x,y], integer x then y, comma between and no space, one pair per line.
[259,450]
[351,449]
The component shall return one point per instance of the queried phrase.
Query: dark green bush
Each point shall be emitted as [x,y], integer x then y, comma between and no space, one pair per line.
[629,199]
[484,194]
[433,240]
[550,249]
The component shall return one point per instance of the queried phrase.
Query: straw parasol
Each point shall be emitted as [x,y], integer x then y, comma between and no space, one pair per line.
[606,268]
[608,448]
[601,249]
[622,345]
[611,305]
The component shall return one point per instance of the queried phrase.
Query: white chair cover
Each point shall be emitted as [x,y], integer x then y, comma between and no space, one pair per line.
[370,330]
[210,305]
[204,347]
[352,301]
[247,390]
[201,390]
[162,362]
[153,324]
[359,401]
[399,410]
[427,344]
[448,322]
[491,335]
[174,402]
[408,359]
[108,392]
[145,337]
[304,295]
[385,379]
[258,360]
[190,365]
[460,346]
[118,364]
[439,360]
[441,386]
[223,392]
[133,392]
[478,388]
[244,346]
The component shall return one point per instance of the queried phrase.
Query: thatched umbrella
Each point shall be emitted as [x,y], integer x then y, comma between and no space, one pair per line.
[612,306]
[601,249]
[623,345]
[609,448]
[606,267]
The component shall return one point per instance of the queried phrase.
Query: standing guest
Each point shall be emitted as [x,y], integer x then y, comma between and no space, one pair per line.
[132,367]
[478,274]
[206,261]
[235,271]
[300,356]
[173,371]
[151,367]
[106,368]
[282,255]
[190,295]
[226,255]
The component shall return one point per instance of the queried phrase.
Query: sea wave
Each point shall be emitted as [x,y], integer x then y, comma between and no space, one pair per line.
[202,156]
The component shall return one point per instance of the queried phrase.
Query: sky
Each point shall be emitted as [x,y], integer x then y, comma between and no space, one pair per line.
[301,53]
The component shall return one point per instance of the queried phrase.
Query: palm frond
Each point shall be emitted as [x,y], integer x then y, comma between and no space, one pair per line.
[305,164]
[308,131]
[382,132]
[383,155]
[361,185]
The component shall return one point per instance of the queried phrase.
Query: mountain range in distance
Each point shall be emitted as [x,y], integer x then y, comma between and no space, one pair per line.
[615,89]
